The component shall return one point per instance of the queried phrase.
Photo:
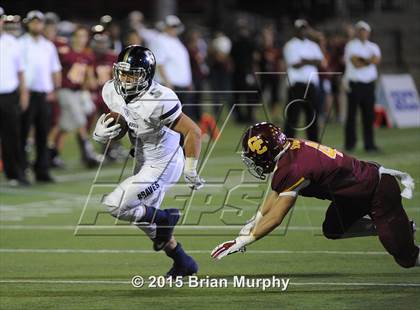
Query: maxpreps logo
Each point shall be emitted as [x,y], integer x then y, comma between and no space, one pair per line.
[148,191]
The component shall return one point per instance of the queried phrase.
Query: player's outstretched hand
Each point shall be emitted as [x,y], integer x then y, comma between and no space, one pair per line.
[102,132]
[228,247]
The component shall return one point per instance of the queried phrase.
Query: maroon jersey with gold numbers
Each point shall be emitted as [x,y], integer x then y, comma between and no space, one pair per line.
[75,66]
[322,172]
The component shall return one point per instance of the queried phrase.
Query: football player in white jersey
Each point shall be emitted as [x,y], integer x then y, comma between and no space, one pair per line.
[156,123]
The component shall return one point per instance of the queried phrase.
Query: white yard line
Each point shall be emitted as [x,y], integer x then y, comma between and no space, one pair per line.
[130,251]
[125,282]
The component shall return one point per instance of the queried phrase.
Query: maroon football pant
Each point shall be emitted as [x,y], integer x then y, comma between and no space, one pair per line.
[388,215]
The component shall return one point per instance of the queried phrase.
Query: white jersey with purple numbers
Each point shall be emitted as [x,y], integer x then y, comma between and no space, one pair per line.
[149,118]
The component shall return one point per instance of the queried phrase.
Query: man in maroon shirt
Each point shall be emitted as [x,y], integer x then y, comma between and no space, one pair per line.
[365,197]
[103,63]
[104,59]
[75,101]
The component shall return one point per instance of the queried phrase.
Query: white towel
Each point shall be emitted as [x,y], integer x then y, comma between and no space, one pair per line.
[405,179]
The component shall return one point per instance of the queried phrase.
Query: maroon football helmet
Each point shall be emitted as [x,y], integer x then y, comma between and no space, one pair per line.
[262,146]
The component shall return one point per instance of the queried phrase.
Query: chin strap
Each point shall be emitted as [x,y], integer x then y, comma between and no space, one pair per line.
[285,148]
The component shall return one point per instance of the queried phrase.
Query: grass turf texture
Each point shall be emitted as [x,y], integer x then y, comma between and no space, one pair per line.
[324,274]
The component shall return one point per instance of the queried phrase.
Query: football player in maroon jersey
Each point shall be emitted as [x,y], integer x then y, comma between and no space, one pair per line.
[365,197]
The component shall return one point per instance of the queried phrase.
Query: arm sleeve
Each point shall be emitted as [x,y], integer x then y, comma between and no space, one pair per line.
[347,52]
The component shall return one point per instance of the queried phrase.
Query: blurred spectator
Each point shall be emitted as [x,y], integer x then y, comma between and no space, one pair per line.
[113,29]
[14,97]
[199,69]
[75,101]
[104,59]
[335,48]
[51,30]
[42,74]
[103,63]
[244,56]
[13,25]
[173,62]
[66,28]
[132,37]
[361,56]
[303,57]
[325,77]
[270,66]
[51,33]
[136,21]
[220,65]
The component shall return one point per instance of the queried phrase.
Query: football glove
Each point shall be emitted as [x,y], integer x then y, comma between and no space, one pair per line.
[250,224]
[232,246]
[102,132]
[190,174]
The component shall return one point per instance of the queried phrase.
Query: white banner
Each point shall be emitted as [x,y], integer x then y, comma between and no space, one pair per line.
[398,94]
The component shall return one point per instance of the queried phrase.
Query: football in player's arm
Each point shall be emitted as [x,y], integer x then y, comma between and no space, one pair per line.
[365,197]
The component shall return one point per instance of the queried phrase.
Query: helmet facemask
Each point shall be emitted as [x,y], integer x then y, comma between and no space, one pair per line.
[253,168]
[129,81]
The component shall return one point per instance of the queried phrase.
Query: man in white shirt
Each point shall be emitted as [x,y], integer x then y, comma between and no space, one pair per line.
[42,71]
[361,57]
[302,57]
[173,62]
[13,99]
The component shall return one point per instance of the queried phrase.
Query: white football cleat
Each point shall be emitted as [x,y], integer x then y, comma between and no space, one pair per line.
[227,248]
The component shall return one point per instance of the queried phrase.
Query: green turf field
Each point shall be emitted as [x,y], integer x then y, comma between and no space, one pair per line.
[48,261]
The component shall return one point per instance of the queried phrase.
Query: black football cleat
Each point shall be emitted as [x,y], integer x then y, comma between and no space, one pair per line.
[44,178]
[188,268]
[165,229]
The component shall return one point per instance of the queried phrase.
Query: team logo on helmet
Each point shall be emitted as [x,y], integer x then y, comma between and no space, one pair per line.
[256,145]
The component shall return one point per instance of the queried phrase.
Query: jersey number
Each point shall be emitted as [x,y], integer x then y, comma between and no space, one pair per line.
[330,152]
[156,93]
[77,73]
